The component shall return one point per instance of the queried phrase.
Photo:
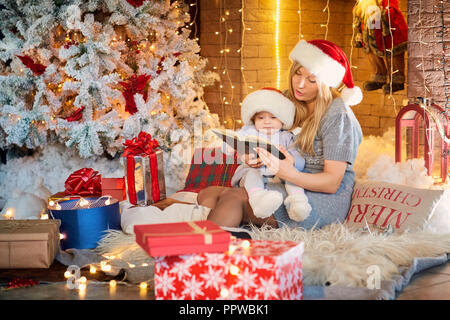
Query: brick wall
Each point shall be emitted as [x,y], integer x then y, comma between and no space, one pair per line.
[376,112]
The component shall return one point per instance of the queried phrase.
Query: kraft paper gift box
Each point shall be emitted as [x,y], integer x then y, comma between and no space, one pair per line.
[182,238]
[28,243]
[250,270]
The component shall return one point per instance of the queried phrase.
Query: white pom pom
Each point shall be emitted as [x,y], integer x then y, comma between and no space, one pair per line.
[352,96]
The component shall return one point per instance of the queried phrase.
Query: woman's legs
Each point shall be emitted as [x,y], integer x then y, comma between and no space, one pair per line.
[230,207]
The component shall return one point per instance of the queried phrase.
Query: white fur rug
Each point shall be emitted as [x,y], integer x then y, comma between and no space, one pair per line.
[333,255]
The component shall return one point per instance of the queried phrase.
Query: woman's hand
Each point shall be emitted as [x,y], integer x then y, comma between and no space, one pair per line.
[251,160]
[281,168]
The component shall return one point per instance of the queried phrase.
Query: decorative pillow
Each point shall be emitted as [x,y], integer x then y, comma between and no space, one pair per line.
[210,167]
[380,204]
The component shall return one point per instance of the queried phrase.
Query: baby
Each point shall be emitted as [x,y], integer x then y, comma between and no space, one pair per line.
[268,114]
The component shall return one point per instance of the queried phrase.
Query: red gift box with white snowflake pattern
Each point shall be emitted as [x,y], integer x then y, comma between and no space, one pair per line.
[249,270]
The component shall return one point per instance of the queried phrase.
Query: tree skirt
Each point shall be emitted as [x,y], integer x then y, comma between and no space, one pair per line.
[336,260]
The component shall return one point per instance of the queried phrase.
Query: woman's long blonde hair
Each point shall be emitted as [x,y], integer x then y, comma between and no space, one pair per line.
[309,122]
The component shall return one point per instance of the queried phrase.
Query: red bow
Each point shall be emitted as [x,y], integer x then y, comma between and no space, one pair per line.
[76,115]
[37,68]
[84,182]
[143,144]
[136,84]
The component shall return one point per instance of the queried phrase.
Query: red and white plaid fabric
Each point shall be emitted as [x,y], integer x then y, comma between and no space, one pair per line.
[210,167]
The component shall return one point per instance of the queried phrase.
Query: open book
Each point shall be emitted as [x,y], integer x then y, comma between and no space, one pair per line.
[245,145]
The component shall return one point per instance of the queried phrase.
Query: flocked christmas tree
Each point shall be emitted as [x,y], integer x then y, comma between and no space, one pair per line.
[90,74]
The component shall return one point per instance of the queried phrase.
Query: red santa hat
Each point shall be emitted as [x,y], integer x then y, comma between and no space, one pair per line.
[270,100]
[329,64]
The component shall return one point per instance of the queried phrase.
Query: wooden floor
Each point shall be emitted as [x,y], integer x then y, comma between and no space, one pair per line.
[431,284]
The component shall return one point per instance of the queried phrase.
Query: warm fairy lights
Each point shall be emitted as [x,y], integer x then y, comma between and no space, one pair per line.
[300,35]
[327,8]
[82,203]
[277,42]
[224,292]
[143,285]
[234,270]
[9,214]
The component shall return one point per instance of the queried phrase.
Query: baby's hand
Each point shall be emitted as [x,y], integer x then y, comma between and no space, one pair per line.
[251,160]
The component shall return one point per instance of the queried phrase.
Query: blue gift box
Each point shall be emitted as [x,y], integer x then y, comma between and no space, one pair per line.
[84,224]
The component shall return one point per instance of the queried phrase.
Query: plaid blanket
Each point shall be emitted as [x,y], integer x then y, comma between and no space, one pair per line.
[210,167]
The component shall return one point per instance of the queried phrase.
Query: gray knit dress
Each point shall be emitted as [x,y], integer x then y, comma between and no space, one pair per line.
[338,138]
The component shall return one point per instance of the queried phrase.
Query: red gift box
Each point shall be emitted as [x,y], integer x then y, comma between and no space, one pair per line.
[182,238]
[114,187]
[250,270]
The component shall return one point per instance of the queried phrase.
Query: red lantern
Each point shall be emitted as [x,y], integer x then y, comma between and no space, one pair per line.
[422,131]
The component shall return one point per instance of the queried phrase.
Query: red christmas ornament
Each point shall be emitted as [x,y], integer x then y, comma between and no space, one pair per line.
[76,115]
[136,84]
[136,3]
[37,68]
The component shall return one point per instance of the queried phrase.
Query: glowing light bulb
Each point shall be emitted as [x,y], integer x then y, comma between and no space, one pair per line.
[62,236]
[231,248]
[143,285]
[82,286]
[106,268]
[108,201]
[67,274]
[224,293]
[234,270]
[51,203]
[112,283]
[245,244]
[84,202]
[44,217]
[9,214]
[92,270]
[83,279]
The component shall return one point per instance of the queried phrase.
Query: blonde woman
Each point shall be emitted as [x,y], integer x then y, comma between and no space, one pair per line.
[329,140]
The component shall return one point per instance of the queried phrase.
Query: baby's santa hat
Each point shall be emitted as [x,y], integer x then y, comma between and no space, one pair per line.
[270,100]
[329,64]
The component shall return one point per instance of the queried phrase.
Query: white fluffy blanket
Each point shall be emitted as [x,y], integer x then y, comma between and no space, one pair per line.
[333,255]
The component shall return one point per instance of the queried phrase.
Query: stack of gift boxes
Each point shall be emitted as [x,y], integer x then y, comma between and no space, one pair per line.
[197,260]
[89,206]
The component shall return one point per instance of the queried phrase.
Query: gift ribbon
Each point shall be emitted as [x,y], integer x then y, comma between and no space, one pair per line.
[196,229]
[143,145]
[83,182]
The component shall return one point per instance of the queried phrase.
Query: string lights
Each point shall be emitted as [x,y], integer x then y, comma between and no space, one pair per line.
[82,203]
[277,40]
[241,49]
[327,8]
[391,54]
[441,34]
[299,12]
